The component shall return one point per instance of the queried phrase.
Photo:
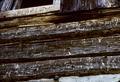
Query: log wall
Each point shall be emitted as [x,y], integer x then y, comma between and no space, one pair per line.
[50,45]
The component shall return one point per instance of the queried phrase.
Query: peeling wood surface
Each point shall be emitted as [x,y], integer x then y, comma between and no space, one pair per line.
[49,45]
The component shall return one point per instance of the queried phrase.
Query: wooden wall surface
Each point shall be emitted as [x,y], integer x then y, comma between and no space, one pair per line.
[49,45]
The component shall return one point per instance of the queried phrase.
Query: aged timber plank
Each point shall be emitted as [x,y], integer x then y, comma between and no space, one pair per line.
[33,30]
[61,67]
[59,49]
[29,11]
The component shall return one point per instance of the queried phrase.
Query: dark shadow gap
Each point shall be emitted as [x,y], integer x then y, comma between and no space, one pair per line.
[34,3]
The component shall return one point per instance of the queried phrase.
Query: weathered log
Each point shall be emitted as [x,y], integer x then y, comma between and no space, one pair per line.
[49,45]
[31,37]
[39,51]
[37,28]
[62,67]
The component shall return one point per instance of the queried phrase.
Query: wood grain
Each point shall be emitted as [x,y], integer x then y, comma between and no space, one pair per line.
[61,67]
[49,45]
[39,51]
[28,11]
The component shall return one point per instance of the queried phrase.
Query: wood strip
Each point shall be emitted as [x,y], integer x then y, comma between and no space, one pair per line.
[29,11]
[38,47]
[62,67]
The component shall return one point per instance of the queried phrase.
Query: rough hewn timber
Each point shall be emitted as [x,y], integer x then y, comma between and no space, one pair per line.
[34,29]
[32,40]
[59,49]
[48,45]
[61,67]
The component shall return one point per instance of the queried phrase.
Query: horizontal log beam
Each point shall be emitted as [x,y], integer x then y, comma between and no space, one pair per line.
[49,45]
[33,29]
[39,51]
[61,67]
[25,60]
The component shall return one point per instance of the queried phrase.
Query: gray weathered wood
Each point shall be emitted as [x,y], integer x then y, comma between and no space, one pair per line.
[34,37]
[39,51]
[49,45]
[62,67]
